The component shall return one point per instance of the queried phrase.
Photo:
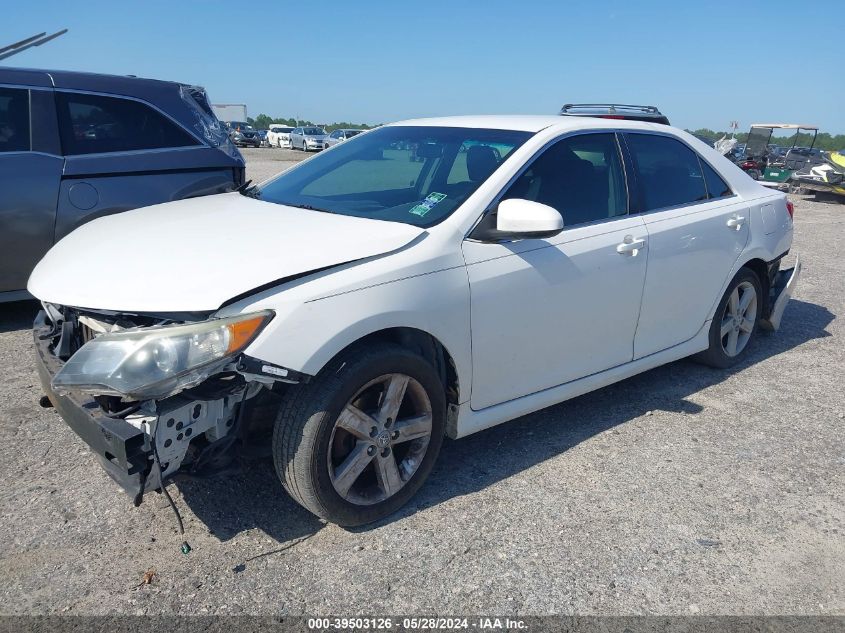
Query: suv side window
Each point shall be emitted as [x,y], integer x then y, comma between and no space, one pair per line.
[14,120]
[669,171]
[716,186]
[580,176]
[93,124]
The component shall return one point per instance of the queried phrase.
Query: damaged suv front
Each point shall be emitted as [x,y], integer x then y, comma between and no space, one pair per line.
[152,395]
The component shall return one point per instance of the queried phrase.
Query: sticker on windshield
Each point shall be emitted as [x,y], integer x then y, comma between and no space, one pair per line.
[427,205]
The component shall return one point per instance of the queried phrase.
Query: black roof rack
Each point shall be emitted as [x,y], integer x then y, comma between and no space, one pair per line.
[647,113]
[611,106]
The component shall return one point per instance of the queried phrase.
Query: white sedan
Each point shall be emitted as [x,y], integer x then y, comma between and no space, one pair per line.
[429,278]
[279,135]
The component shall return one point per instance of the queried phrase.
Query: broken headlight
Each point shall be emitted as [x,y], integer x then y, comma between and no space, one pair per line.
[155,362]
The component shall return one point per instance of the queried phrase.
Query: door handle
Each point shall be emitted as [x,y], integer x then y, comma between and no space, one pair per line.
[736,222]
[630,246]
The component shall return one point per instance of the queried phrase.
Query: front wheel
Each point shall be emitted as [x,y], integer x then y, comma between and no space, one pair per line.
[304,146]
[355,444]
[735,323]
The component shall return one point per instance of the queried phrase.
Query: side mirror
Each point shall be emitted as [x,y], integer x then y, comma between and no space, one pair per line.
[518,219]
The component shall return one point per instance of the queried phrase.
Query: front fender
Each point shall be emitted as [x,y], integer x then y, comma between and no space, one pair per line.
[306,336]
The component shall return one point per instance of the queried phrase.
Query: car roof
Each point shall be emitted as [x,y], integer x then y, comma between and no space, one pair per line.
[530,123]
[72,78]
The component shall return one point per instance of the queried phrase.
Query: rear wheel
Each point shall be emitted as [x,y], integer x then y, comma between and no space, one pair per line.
[735,323]
[355,443]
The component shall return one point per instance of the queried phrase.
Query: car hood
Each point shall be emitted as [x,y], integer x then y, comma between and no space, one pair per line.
[193,255]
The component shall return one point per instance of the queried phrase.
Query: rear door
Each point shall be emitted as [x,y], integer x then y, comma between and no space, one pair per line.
[123,153]
[697,229]
[30,171]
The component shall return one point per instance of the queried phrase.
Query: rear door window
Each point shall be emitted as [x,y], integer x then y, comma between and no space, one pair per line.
[95,124]
[669,172]
[14,120]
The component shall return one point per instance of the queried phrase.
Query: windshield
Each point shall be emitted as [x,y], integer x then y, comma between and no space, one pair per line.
[313,131]
[239,125]
[281,130]
[353,132]
[415,175]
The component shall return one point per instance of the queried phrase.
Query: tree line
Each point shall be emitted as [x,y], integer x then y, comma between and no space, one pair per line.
[824,140]
[263,122]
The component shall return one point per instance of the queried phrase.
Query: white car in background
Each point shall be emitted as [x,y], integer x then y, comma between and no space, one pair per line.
[338,136]
[378,303]
[279,135]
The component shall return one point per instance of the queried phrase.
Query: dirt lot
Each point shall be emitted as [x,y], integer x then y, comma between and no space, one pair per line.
[266,162]
[683,490]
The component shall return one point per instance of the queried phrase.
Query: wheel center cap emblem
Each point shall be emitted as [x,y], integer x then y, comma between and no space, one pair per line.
[383,439]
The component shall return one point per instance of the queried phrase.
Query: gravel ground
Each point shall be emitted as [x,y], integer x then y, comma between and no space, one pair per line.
[683,490]
[265,162]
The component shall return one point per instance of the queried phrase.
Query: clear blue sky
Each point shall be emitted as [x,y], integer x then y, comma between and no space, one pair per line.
[703,63]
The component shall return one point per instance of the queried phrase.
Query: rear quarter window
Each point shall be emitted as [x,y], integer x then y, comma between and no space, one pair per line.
[716,186]
[94,124]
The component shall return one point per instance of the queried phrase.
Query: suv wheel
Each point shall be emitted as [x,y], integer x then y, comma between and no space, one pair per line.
[735,323]
[355,443]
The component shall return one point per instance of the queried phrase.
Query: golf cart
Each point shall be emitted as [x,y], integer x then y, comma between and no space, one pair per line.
[772,169]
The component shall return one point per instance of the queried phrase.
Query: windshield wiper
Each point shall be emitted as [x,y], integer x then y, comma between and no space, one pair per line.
[249,192]
[307,207]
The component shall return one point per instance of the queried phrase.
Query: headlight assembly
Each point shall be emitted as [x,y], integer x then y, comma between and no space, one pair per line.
[155,362]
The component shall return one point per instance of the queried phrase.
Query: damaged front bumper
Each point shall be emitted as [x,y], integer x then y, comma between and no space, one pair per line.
[123,449]
[192,432]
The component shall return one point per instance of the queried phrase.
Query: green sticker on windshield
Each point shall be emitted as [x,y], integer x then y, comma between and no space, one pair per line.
[427,205]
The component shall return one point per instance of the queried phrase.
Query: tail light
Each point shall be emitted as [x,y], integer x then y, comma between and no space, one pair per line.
[790,209]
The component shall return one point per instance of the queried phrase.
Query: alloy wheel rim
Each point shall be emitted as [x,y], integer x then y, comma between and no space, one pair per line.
[379,439]
[739,318]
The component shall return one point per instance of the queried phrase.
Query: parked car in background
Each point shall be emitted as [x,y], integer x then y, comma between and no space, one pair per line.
[308,138]
[648,114]
[279,135]
[372,304]
[338,136]
[262,135]
[243,134]
[76,146]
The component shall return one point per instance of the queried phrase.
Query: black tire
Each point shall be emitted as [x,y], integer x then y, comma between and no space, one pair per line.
[716,355]
[303,431]
[304,146]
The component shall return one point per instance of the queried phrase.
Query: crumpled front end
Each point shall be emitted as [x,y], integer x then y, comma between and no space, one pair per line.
[196,430]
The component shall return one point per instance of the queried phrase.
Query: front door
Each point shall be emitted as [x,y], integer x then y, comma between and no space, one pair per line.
[546,312]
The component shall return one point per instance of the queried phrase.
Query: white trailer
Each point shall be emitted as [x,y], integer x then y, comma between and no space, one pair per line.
[229,111]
